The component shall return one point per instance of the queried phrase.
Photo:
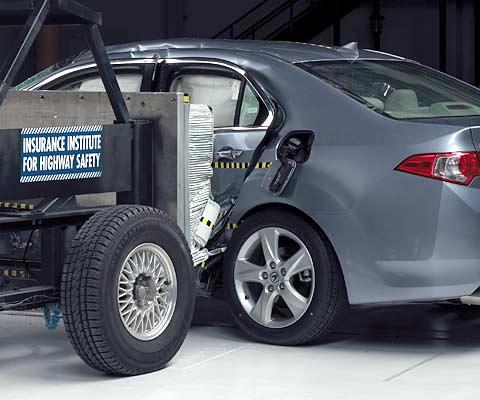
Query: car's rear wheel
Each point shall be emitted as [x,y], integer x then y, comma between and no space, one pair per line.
[283,280]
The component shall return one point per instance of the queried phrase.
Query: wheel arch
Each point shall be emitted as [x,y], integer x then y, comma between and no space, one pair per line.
[301,214]
[327,306]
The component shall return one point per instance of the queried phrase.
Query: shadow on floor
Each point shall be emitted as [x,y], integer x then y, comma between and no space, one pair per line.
[393,329]
[422,323]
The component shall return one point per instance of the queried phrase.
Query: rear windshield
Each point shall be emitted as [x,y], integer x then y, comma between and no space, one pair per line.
[402,90]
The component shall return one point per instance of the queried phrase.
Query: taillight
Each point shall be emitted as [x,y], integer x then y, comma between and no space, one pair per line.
[460,167]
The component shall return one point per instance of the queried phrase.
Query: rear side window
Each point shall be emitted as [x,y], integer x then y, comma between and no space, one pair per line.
[402,90]
[219,92]
[251,108]
[127,82]
[233,101]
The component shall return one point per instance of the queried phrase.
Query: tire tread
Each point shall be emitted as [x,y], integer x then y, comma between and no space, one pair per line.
[80,294]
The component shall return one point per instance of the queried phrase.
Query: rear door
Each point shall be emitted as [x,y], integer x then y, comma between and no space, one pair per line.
[240,119]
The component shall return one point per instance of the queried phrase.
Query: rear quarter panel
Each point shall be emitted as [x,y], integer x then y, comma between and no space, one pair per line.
[392,231]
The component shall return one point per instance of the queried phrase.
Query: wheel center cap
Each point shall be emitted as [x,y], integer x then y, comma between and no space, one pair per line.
[144,292]
[275,277]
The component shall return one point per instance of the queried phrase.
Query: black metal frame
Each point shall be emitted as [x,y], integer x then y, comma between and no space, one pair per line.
[476,34]
[376,24]
[276,10]
[34,15]
[442,35]
[128,171]
[288,14]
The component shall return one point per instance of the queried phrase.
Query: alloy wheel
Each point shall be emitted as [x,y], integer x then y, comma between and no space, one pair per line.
[147,291]
[274,277]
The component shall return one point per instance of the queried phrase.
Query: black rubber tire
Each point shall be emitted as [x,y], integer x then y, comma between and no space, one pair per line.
[329,299]
[89,286]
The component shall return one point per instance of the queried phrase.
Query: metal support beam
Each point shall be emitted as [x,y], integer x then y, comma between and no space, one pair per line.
[78,10]
[28,297]
[63,11]
[376,24]
[291,18]
[442,33]
[29,33]
[70,12]
[107,74]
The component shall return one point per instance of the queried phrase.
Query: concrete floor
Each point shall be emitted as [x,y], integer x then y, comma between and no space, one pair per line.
[419,351]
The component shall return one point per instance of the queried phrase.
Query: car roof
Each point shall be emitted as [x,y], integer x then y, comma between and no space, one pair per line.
[288,51]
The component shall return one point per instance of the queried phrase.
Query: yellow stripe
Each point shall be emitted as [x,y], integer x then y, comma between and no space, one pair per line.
[263,165]
[240,165]
[16,206]
[207,222]
[186,99]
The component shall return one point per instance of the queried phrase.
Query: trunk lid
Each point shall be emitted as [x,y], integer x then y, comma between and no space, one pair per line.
[471,123]
[476,137]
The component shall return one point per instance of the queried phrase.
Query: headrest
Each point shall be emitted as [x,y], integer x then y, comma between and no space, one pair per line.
[402,99]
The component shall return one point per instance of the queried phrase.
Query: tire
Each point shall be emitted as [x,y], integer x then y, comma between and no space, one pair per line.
[323,299]
[93,287]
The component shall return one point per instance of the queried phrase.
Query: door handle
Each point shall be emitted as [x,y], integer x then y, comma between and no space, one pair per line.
[227,155]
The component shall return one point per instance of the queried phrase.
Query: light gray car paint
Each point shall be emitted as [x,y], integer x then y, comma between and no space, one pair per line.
[398,237]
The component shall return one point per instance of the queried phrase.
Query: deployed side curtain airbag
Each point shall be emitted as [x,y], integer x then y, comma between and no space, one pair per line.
[200,172]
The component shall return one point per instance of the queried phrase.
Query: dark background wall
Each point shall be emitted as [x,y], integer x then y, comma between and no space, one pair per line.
[411,28]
